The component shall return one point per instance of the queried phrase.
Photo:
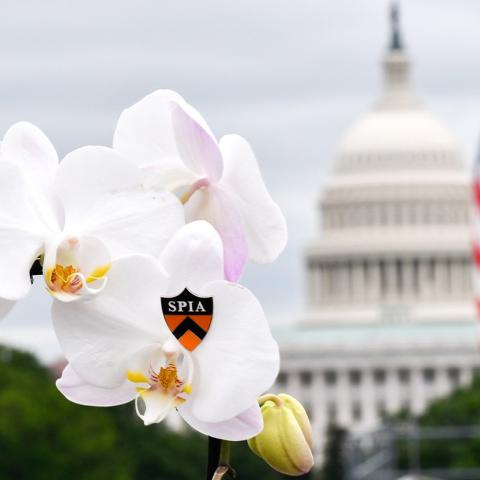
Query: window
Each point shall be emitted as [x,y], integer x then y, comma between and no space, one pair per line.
[379,376]
[357,411]
[331,413]
[381,409]
[330,377]
[306,378]
[355,377]
[454,376]
[416,281]
[404,375]
[429,375]
[399,274]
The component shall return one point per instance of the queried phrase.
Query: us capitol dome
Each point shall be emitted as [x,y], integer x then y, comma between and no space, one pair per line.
[390,321]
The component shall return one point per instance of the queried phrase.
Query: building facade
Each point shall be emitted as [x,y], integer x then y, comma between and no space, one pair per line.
[390,321]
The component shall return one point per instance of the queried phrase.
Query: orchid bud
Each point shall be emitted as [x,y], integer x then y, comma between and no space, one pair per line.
[285,442]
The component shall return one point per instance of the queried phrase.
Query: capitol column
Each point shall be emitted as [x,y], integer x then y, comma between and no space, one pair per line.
[358,281]
[408,293]
[442,384]
[374,276]
[391,288]
[319,407]
[424,283]
[368,399]
[317,284]
[466,376]
[325,285]
[457,280]
[345,282]
[417,392]
[343,399]
[392,392]
[440,278]
[310,280]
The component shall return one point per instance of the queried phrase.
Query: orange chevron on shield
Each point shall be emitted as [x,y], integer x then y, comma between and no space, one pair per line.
[188,317]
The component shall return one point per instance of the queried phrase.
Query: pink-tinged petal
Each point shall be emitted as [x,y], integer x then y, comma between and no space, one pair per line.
[26,146]
[215,206]
[144,135]
[197,147]
[77,390]
[193,257]
[264,224]
[21,233]
[242,427]
[238,359]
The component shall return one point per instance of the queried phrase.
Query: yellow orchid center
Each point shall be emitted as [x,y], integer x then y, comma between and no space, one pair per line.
[167,377]
[166,381]
[64,279]
[67,279]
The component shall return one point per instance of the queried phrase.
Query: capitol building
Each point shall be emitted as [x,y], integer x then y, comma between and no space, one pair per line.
[390,321]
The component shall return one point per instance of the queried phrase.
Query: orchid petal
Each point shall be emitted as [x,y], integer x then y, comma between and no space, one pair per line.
[238,359]
[77,390]
[154,404]
[242,427]
[197,147]
[216,207]
[263,222]
[101,336]
[21,234]
[103,197]
[145,135]
[193,257]
[26,146]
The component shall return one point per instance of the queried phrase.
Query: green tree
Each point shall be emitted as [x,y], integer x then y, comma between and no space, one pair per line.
[333,468]
[462,408]
[43,436]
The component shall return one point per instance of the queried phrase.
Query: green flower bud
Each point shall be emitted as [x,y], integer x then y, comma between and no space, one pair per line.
[285,442]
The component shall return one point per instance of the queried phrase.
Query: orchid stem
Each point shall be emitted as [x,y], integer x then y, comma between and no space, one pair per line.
[224,453]
[219,459]
[220,472]
[214,445]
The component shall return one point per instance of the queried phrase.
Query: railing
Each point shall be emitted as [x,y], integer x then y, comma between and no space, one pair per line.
[394,452]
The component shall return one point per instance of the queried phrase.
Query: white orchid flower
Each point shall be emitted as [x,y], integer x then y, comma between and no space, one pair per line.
[219,182]
[120,347]
[78,215]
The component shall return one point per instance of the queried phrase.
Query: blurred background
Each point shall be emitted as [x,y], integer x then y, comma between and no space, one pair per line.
[365,122]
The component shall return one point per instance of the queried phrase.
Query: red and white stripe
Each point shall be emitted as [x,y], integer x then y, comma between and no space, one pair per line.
[476,233]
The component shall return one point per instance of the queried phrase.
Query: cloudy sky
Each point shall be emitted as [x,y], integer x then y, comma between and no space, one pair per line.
[289,76]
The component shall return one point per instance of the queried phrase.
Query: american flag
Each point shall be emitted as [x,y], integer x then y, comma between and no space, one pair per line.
[476,232]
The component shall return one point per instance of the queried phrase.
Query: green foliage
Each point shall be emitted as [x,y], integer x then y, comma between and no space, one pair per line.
[462,408]
[45,437]
[333,468]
